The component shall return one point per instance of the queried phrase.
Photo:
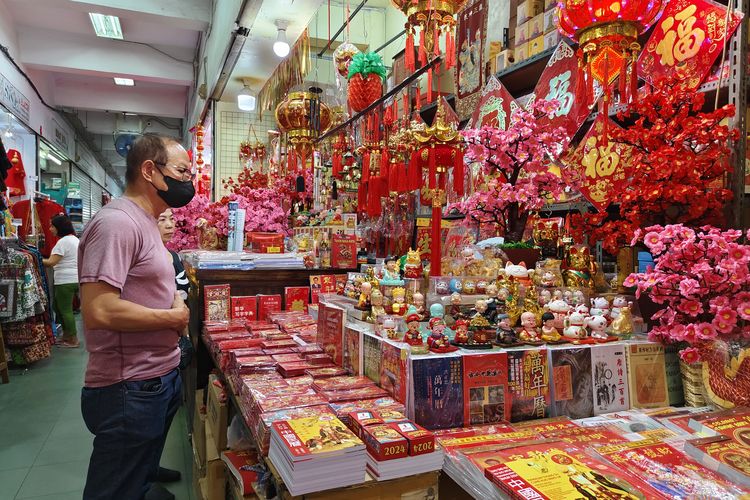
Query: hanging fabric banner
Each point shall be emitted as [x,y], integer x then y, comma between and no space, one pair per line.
[495,108]
[601,165]
[471,31]
[686,41]
[559,82]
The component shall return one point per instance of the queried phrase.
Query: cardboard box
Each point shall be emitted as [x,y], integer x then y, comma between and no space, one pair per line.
[503,60]
[536,46]
[522,33]
[551,40]
[527,10]
[199,432]
[521,52]
[216,415]
[215,477]
[536,26]
[550,20]
[420,440]
[196,484]
[384,442]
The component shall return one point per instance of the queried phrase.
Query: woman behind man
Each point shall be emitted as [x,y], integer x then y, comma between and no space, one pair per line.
[64,260]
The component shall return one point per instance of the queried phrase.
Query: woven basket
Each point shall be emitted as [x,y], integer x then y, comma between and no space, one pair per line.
[692,384]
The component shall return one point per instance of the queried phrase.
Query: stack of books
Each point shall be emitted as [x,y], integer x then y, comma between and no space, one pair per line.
[316,453]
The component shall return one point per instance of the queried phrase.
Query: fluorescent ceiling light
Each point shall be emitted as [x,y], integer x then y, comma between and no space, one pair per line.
[54,159]
[106,26]
[246,100]
[127,82]
[281,46]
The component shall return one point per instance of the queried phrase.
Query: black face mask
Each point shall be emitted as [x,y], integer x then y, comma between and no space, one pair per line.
[178,193]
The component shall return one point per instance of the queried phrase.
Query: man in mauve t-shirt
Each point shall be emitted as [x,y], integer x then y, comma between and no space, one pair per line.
[132,320]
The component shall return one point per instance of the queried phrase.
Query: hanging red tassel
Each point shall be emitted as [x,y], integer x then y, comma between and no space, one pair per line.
[623,78]
[634,80]
[401,177]
[336,165]
[422,50]
[590,84]
[409,53]
[406,103]
[605,99]
[458,172]
[429,85]
[418,98]
[414,173]
[362,196]
[385,163]
[366,165]
[581,80]
[436,45]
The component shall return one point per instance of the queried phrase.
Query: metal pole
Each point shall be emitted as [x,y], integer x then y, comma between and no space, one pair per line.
[351,16]
[738,83]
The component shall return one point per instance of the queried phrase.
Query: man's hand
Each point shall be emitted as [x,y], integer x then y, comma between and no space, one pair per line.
[182,313]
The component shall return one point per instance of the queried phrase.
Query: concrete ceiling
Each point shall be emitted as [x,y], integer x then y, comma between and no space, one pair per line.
[59,48]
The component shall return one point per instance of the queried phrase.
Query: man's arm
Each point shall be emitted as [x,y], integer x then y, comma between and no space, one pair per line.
[103,309]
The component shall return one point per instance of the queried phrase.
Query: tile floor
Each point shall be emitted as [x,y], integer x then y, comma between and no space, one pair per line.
[44,444]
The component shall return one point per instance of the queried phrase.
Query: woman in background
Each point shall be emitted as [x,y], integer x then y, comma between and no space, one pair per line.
[64,260]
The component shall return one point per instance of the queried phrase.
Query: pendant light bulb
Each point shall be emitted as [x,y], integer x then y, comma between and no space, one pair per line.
[246,100]
[281,45]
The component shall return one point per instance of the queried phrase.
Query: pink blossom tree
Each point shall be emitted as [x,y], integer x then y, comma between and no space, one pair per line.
[703,278]
[516,163]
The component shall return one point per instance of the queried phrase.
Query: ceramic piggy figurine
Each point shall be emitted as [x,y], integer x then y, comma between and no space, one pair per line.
[575,326]
[597,326]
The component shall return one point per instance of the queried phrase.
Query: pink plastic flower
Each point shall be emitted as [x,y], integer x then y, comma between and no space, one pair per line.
[705,331]
[654,242]
[744,310]
[690,355]
[690,307]
[689,287]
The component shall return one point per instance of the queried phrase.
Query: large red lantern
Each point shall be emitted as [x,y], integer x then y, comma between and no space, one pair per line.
[607,33]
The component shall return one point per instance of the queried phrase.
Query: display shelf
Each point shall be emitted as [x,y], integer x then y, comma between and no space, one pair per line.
[521,78]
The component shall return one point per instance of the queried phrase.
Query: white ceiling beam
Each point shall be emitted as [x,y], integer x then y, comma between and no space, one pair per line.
[156,102]
[188,14]
[70,53]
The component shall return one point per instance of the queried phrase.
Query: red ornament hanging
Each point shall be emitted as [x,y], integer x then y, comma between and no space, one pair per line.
[439,148]
[607,33]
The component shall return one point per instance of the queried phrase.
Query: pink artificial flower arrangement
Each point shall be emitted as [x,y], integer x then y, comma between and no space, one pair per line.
[263,212]
[517,164]
[703,278]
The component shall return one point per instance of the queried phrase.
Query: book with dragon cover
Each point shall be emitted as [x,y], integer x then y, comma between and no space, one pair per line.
[723,455]
[672,473]
[438,391]
[528,384]
[394,375]
[372,346]
[316,436]
[558,471]
[571,382]
[647,375]
[216,303]
[609,375]
[353,350]
[331,321]
[486,399]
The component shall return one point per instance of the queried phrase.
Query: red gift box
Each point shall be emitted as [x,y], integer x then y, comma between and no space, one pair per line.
[384,442]
[421,441]
[266,242]
[358,420]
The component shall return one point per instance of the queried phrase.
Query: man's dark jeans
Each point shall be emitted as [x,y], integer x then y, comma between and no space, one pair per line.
[130,422]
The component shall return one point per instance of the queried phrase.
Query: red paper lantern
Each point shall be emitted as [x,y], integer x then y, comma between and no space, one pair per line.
[607,33]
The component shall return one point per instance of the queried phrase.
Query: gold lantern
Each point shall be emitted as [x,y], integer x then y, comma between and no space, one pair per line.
[303,117]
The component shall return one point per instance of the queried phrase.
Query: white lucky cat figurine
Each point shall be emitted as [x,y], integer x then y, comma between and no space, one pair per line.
[618,303]
[519,273]
[597,326]
[575,326]
[560,309]
[600,304]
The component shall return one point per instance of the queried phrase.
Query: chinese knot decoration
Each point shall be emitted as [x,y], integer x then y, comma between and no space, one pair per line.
[433,18]
[607,34]
[438,148]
